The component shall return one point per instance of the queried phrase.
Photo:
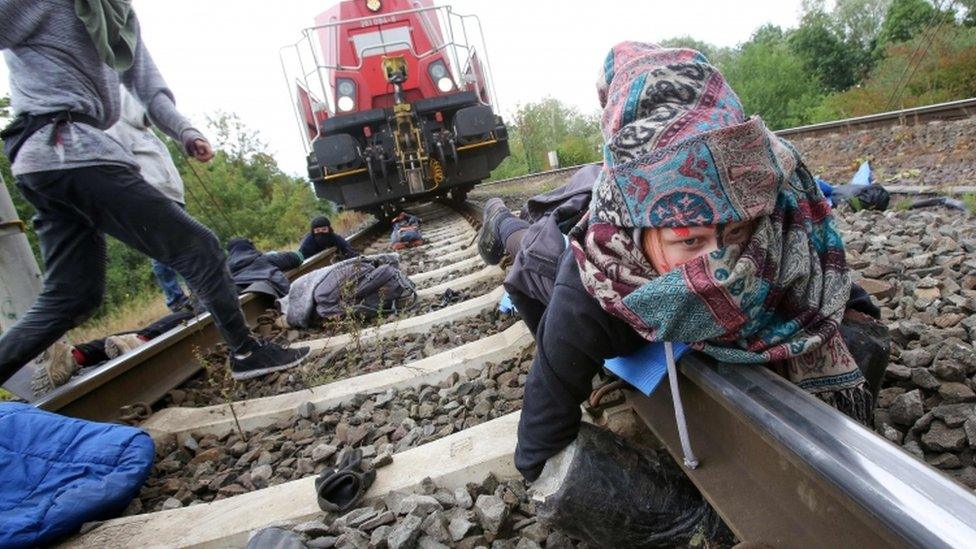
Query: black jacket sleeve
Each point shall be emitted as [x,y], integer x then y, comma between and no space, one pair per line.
[308,248]
[574,337]
[345,250]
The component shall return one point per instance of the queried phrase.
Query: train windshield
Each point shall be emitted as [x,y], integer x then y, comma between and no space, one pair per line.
[382,41]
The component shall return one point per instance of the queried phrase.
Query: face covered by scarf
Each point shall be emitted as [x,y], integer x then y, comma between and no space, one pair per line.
[680,153]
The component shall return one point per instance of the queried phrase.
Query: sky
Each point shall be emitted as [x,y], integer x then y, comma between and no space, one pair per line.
[222,55]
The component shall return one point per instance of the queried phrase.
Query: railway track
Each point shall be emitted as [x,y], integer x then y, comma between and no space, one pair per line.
[778,465]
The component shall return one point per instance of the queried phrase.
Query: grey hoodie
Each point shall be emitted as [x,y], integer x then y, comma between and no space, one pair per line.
[133,131]
[54,67]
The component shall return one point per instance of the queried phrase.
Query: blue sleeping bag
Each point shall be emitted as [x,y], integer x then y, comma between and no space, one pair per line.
[57,473]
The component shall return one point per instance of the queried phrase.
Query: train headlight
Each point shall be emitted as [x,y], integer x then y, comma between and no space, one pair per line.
[438,70]
[440,76]
[346,92]
[345,103]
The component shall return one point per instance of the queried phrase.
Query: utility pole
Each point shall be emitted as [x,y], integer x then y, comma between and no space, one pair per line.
[20,280]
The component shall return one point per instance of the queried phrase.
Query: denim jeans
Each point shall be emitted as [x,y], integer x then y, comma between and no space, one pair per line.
[76,208]
[169,282]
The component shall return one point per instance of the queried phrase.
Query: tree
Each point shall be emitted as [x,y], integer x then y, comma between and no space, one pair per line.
[549,125]
[907,18]
[860,20]
[943,68]
[824,53]
[771,80]
[715,55]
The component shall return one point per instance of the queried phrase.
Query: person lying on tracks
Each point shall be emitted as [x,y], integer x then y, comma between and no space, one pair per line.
[406,232]
[66,64]
[704,228]
[321,237]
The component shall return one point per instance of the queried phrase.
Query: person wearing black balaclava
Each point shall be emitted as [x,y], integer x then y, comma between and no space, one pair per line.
[322,237]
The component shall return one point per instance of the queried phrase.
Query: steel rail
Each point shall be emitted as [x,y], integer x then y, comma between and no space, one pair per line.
[951,110]
[784,469]
[146,374]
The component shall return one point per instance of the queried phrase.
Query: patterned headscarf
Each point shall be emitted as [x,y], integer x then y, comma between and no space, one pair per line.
[680,152]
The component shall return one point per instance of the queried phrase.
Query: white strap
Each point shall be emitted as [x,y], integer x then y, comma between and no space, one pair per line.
[679,411]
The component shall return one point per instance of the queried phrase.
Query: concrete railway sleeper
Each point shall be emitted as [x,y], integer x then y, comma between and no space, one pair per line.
[194,467]
[780,467]
[356,356]
[145,375]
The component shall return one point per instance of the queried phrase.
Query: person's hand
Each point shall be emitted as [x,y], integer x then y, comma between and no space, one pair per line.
[201,150]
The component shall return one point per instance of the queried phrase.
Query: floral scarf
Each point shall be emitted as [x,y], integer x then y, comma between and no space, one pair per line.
[778,298]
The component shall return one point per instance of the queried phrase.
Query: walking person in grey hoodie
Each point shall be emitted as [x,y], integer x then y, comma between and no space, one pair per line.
[66,60]
[134,132]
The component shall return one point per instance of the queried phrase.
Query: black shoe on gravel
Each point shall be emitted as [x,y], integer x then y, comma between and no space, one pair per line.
[490,247]
[264,358]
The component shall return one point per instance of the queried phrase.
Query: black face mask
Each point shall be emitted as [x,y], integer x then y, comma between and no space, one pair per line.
[323,239]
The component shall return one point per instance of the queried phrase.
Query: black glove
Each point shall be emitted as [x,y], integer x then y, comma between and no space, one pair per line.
[343,489]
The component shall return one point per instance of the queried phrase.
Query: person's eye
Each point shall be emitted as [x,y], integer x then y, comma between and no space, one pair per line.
[690,242]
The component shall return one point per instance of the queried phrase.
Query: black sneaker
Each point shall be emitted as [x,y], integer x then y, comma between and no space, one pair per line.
[490,247]
[264,358]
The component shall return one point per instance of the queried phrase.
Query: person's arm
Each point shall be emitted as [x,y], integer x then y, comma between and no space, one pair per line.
[146,83]
[345,250]
[574,337]
[308,248]
[18,20]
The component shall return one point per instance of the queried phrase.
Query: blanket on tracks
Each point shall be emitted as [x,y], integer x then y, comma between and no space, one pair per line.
[363,284]
[58,473]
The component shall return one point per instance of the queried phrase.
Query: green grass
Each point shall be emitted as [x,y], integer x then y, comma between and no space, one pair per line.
[970,200]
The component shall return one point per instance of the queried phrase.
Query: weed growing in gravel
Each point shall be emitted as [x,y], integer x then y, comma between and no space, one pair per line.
[903,205]
[220,381]
[970,201]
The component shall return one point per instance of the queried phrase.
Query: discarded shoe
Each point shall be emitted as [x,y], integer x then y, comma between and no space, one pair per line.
[490,247]
[264,358]
[53,368]
[118,345]
[343,489]
[274,537]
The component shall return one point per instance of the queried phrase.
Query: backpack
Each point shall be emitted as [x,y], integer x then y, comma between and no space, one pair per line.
[364,288]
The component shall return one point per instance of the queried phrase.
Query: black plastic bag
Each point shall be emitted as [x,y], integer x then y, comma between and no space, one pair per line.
[862,197]
[610,494]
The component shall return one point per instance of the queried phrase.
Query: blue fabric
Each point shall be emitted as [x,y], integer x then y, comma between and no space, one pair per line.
[863,176]
[58,473]
[645,368]
[405,235]
[826,188]
[169,281]
[505,305]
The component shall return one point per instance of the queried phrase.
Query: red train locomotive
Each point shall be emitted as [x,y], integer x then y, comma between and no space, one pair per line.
[408,103]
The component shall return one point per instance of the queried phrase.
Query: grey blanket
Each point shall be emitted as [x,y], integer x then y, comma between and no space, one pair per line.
[299,305]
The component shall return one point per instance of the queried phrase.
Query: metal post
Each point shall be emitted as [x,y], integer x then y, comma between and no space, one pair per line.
[20,279]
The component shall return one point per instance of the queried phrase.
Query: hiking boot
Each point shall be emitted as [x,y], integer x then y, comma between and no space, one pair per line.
[53,368]
[264,358]
[118,345]
[490,247]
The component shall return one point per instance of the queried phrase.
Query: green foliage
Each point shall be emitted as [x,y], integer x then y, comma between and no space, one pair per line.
[936,66]
[715,55]
[771,80]
[908,18]
[824,52]
[549,125]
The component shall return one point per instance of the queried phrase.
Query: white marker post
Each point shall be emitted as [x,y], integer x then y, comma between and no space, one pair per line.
[20,280]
